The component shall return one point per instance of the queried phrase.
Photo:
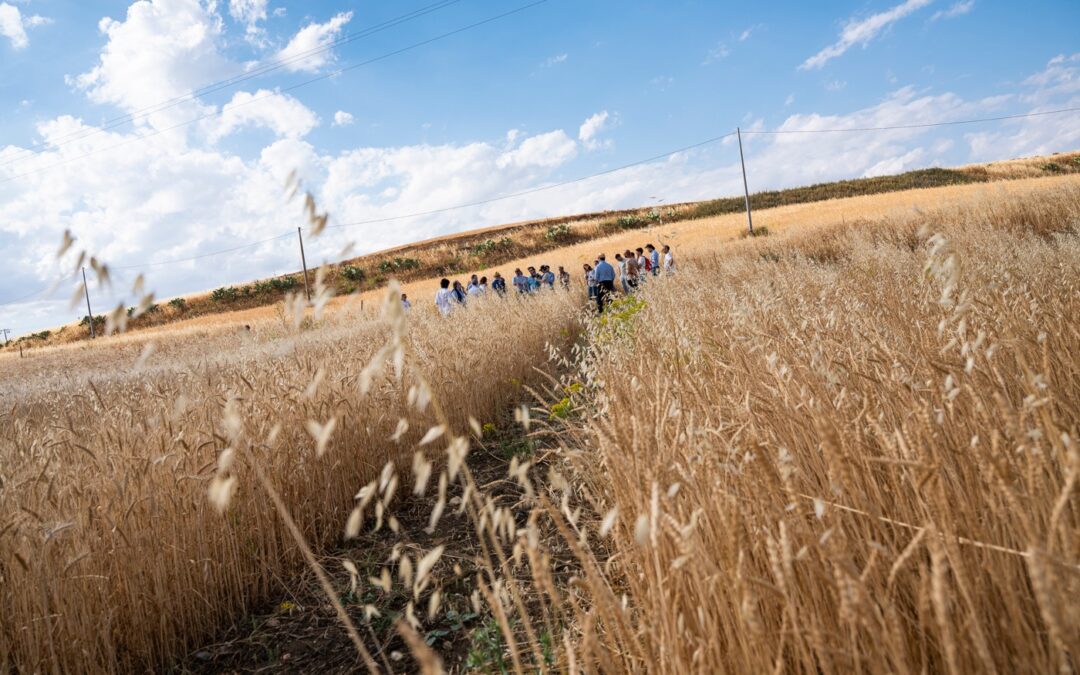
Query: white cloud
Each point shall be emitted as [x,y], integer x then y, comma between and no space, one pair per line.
[343,119]
[745,35]
[250,13]
[862,31]
[163,50]
[835,85]
[280,113]
[13,26]
[789,100]
[958,9]
[717,53]
[307,50]
[591,128]
[555,60]
[543,150]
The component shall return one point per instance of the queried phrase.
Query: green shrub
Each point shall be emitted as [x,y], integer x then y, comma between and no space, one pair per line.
[398,264]
[353,273]
[225,294]
[631,222]
[483,248]
[178,304]
[1052,167]
[557,232]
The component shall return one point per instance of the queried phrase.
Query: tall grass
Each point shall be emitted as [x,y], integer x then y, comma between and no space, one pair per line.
[845,448]
[111,556]
[851,449]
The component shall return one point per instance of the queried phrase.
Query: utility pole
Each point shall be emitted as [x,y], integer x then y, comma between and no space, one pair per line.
[303,261]
[746,190]
[5,331]
[89,311]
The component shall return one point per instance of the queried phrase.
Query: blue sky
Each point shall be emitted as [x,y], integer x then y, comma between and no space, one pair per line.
[557,91]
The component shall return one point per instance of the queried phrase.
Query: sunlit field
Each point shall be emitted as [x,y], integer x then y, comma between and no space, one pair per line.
[850,445]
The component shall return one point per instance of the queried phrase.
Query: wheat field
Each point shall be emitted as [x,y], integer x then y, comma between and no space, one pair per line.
[848,446]
[850,449]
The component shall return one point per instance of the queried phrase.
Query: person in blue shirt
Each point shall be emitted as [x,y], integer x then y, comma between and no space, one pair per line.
[521,282]
[604,274]
[548,277]
[654,259]
[498,284]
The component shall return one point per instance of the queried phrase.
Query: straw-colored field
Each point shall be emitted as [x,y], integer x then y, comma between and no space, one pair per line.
[851,445]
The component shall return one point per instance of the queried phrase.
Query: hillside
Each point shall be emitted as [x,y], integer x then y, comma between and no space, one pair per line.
[481,249]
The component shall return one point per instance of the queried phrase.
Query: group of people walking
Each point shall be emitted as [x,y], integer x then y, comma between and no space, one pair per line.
[634,267]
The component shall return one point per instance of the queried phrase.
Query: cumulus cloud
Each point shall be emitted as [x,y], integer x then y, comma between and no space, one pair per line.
[13,25]
[163,50]
[590,129]
[250,13]
[543,150]
[343,119]
[280,113]
[862,32]
[958,9]
[307,50]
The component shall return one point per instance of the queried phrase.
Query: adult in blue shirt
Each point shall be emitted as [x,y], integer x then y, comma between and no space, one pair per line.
[548,277]
[521,282]
[654,259]
[605,281]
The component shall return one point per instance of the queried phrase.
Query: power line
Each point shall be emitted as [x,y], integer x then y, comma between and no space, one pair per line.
[915,126]
[223,84]
[256,99]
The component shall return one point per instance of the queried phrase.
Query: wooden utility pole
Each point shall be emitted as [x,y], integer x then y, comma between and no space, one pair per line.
[5,331]
[746,190]
[303,261]
[89,311]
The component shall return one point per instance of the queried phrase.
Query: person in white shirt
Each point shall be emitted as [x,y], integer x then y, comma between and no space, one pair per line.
[405,304]
[642,264]
[473,285]
[444,297]
[669,260]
